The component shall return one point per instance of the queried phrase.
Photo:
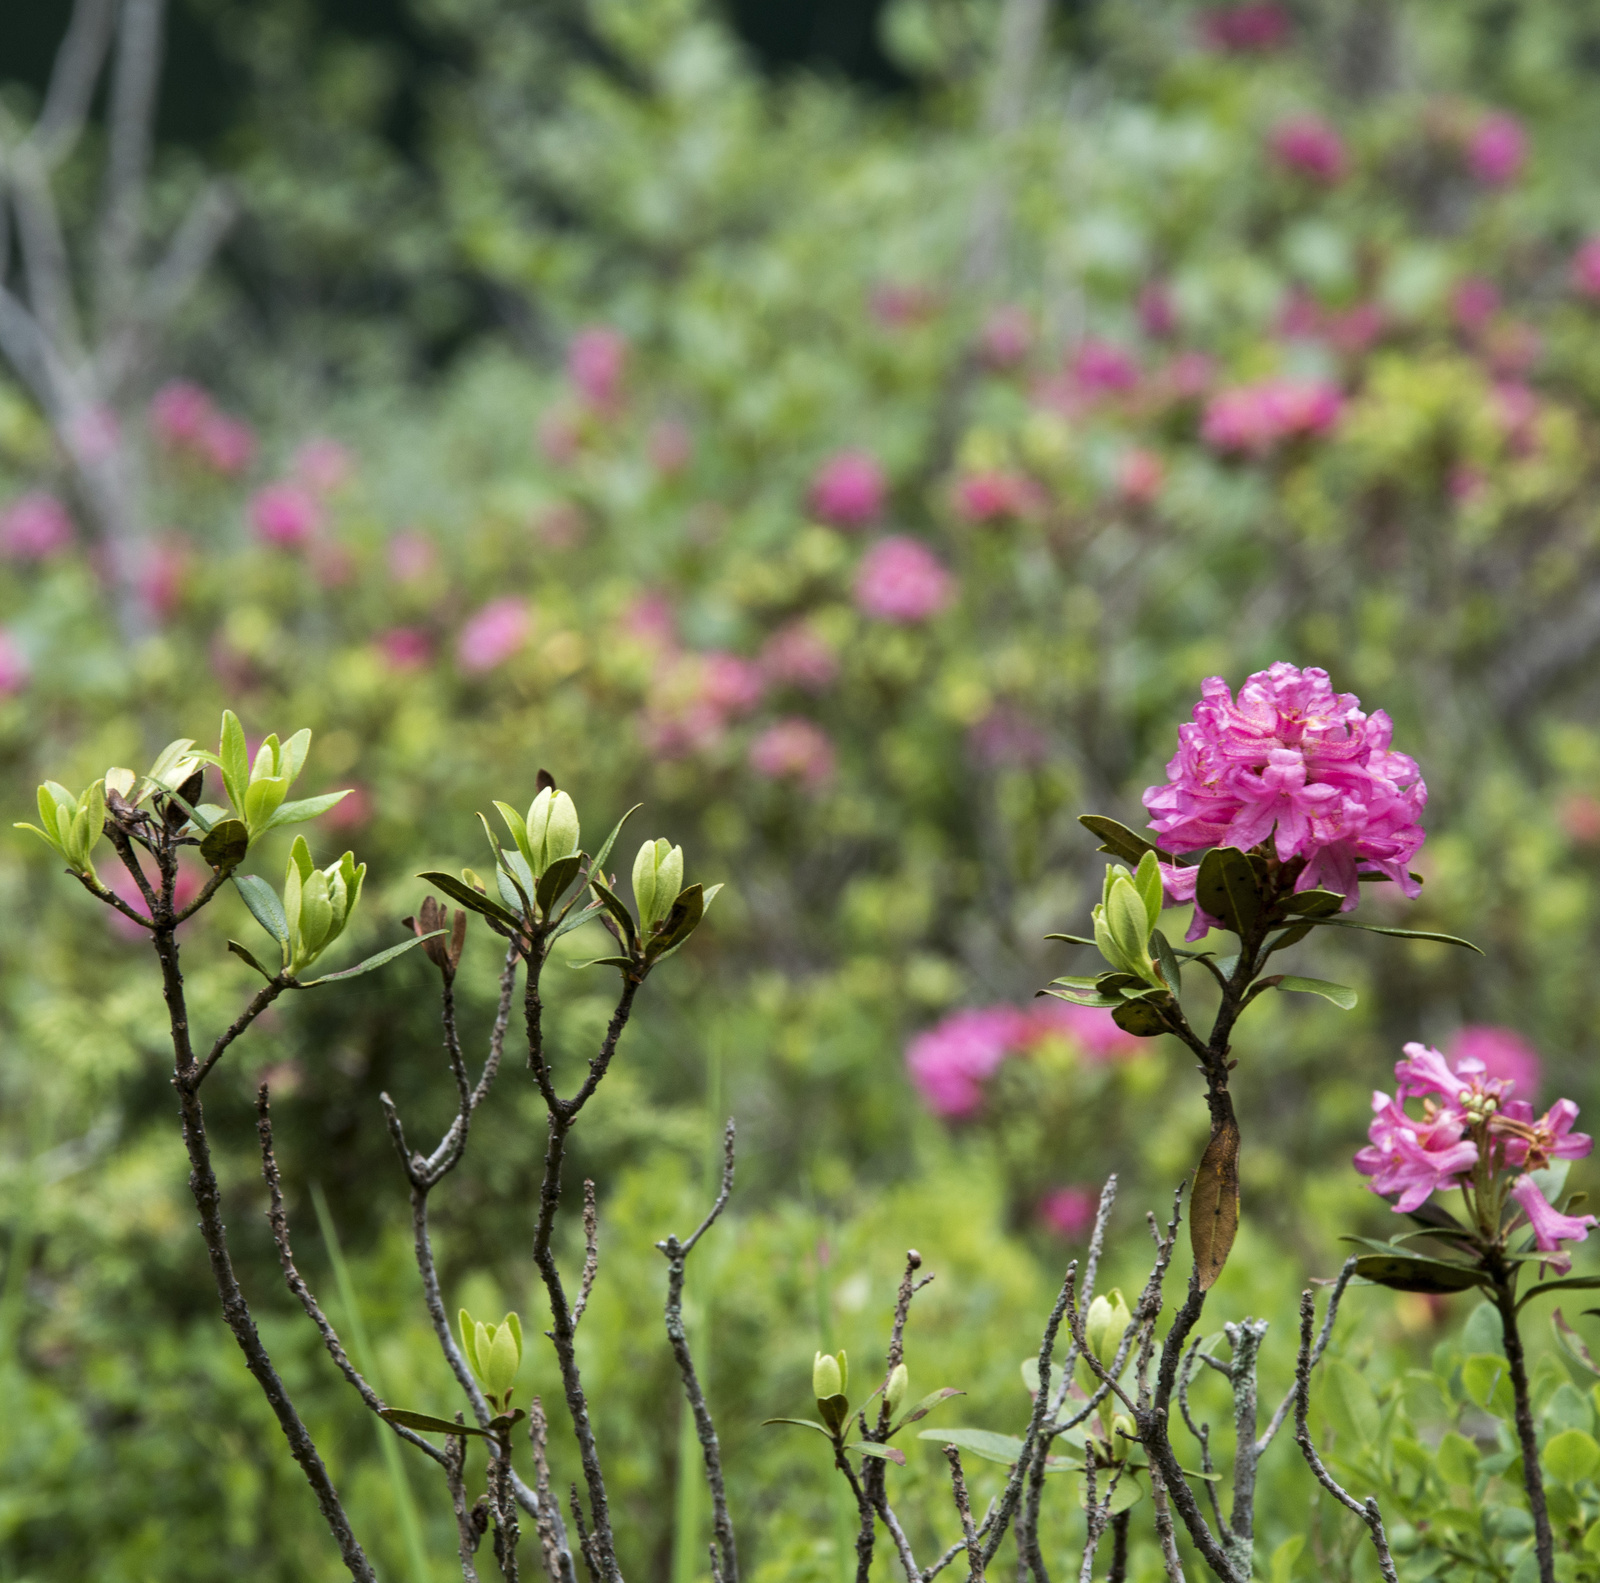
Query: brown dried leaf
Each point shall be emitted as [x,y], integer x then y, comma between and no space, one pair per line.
[1214,1203]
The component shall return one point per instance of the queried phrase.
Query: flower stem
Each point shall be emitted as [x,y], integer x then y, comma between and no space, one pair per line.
[1532,1475]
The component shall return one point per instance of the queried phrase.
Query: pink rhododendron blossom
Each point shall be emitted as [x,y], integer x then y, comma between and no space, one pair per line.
[1357,329]
[178,413]
[34,527]
[1516,414]
[1414,1158]
[849,490]
[1550,1227]
[1006,337]
[1102,368]
[1473,303]
[1309,146]
[412,556]
[797,656]
[596,363]
[731,684]
[794,750]
[227,445]
[1294,760]
[1579,816]
[1069,1211]
[1502,1052]
[900,580]
[1158,313]
[406,648]
[160,576]
[1189,375]
[1497,149]
[1585,271]
[122,885]
[994,496]
[1006,738]
[1512,348]
[285,515]
[494,634]
[1252,29]
[1140,476]
[1300,316]
[950,1063]
[1254,418]
[14,667]
[1092,1030]
[1532,1144]
[323,466]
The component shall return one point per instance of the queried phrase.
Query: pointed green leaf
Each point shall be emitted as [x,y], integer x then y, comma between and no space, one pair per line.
[555,879]
[304,808]
[870,1448]
[1341,995]
[240,952]
[373,961]
[1566,1283]
[1138,1017]
[615,906]
[932,1400]
[292,755]
[1071,939]
[1313,903]
[1398,934]
[985,1443]
[1119,840]
[1226,888]
[264,906]
[1167,961]
[1147,881]
[460,891]
[1410,1272]
[442,1426]
[802,1423]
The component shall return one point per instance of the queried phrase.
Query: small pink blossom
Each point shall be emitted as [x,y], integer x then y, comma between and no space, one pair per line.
[1140,477]
[1473,303]
[1069,1211]
[596,363]
[899,306]
[285,515]
[900,580]
[406,648]
[796,750]
[1532,1144]
[731,684]
[1158,313]
[161,575]
[1251,29]
[1006,337]
[1300,316]
[1309,146]
[1585,271]
[671,447]
[494,634]
[1512,346]
[1502,1052]
[333,565]
[14,667]
[1188,376]
[1102,368]
[1497,149]
[1357,329]
[323,466]
[1414,1158]
[94,433]
[797,656]
[1007,739]
[412,556]
[1550,1227]
[1092,1030]
[227,445]
[178,413]
[1252,419]
[849,490]
[950,1063]
[1516,412]
[995,496]
[34,527]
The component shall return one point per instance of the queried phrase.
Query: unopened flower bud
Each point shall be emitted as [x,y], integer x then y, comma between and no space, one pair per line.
[1104,1326]
[895,1392]
[657,879]
[552,828]
[827,1378]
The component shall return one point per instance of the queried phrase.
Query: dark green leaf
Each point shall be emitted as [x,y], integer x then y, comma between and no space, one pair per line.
[835,1409]
[985,1443]
[1071,939]
[681,922]
[555,879]
[265,908]
[1399,934]
[1226,888]
[1167,961]
[1313,903]
[373,961]
[1140,1018]
[803,1423]
[1340,994]
[605,961]
[869,1448]
[615,906]
[1409,1272]
[577,919]
[1097,1002]
[926,1406]
[225,844]
[598,866]
[442,1426]
[474,901]
[1566,1283]
[1214,1203]
[1119,840]
[240,952]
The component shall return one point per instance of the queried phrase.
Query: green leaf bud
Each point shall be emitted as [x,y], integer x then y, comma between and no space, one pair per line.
[827,1377]
[1105,1324]
[505,1357]
[895,1392]
[552,827]
[657,879]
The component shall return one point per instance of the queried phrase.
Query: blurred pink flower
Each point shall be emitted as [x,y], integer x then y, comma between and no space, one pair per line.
[648,619]
[559,437]
[14,667]
[352,812]
[34,527]
[1158,313]
[1516,412]
[900,306]
[849,489]
[671,446]
[596,363]
[1473,303]
[1102,368]
[560,525]
[900,580]
[123,885]
[1005,738]
[1188,375]
[1006,337]
[796,656]
[1094,1031]
[1069,1211]
[731,684]
[1309,146]
[1585,273]
[94,433]
[285,515]
[794,749]
[1251,29]
[161,576]
[226,444]
[1255,418]
[1504,1053]
[178,413]
[494,634]
[412,556]
[950,1062]
[1467,484]
[1140,476]
[1579,815]
[1300,316]
[1355,330]
[333,565]
[406,648]
[323,465]
[995,496]
[1512,347]
[1497,149]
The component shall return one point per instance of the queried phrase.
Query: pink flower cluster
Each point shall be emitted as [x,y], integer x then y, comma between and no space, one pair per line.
[1497,149]
[1253,419]
[493,634]
[902,581]
[186,420]
[1414,1157]
[34,527]
[1295,761]
[1309,146]
[794,749]
[1251,29]
[693,697]
[950,1062]
[849,490]
[597,361]
[995,495]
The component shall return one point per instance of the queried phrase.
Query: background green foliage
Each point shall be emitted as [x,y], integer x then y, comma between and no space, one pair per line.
[797,268]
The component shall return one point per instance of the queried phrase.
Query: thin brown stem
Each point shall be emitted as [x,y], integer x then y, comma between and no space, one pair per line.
[1505,1301]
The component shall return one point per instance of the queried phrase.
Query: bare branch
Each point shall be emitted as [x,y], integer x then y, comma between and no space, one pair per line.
[454,1474]
[134,84]
[591,1252]
[1323,1337]
[975,1560]
[77,66]
[931,1571]
[1367,1511]
[263,998]
[546,1511]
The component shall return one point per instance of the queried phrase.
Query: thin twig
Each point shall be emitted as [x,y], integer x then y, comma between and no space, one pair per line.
[466,1533]
[969,1533]
[263,998]
[591,1252]
[1323,1337]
